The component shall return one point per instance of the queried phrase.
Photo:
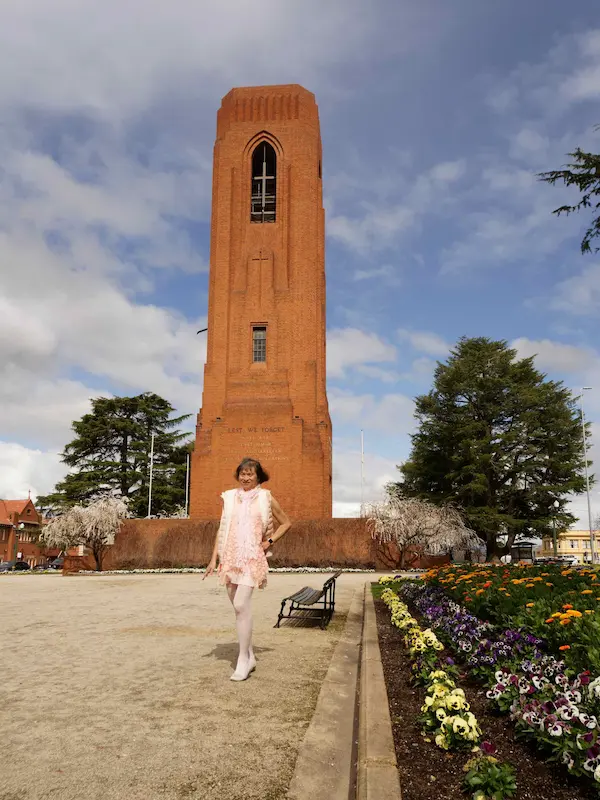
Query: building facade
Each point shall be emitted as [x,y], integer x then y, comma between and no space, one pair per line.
[20,527]
[264,390]
[572,543]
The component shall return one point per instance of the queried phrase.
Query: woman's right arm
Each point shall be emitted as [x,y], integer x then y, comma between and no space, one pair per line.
[212,565]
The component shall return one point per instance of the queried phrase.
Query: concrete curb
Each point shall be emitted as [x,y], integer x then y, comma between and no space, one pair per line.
[324,768]
[377,767]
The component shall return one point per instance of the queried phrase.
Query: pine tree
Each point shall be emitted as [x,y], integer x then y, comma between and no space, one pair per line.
[499,439]
[111,453]
[583,173]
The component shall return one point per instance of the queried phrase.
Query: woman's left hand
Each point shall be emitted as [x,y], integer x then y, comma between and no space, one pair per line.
[265,545]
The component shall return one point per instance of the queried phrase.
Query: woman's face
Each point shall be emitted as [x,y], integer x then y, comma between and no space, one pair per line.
[248,479]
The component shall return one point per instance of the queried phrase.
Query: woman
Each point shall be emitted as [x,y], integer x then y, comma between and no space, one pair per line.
[244,536]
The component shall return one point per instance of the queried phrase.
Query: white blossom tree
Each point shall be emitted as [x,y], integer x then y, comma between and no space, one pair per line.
[94,526]
[417,527]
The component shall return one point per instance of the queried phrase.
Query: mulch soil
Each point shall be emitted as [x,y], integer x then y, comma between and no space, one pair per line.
[429,773]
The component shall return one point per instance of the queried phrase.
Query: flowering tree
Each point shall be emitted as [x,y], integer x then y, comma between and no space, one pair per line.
[418,527]
[94,526]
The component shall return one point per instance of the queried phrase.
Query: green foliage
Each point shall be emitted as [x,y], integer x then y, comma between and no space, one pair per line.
[583,173]
[111,453]
[500,440]
[487,779]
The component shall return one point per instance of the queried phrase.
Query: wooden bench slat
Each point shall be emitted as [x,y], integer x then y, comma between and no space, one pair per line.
[306,596]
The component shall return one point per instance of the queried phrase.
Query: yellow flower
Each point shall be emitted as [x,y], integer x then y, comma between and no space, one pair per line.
[587,611]
[530,605]
[549,584]
[565,621]
[573,613]
[530,585]
[556,614]
[587,591]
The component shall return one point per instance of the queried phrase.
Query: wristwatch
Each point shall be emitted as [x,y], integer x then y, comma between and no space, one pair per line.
[270,541]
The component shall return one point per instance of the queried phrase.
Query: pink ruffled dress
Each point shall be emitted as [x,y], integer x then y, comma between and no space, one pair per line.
[244,561]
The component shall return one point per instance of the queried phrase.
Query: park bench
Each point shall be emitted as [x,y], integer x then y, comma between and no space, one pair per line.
[310,603]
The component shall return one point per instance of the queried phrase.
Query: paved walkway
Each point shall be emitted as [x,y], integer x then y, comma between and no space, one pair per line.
[117,687]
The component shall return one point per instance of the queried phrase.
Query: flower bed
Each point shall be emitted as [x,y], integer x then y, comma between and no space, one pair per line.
[557,605]
[429,771]
[551,706]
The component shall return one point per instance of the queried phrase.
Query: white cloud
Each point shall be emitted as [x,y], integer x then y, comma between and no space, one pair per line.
[23,469]
[425,342]
[351,347]
[380,218]
[40,409]
[386,274]
[530,146]
[74,56]
[579,294]
[377,472]
[391,413]
[556,356]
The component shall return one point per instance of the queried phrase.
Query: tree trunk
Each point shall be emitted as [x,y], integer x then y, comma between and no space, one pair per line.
[98,557]
[402,559]
[124,466]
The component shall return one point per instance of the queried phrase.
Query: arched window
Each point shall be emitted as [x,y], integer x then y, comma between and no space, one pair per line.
[264,180]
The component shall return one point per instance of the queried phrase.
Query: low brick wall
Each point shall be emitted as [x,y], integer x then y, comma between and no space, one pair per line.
[155,543]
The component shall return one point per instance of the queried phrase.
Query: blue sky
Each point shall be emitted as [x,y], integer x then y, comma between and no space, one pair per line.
[435,118]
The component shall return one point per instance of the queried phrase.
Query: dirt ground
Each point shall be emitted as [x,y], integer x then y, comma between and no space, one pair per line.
[117,688]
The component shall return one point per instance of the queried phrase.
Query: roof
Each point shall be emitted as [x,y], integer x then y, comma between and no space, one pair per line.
[9,507]
[4,518]
[15,506]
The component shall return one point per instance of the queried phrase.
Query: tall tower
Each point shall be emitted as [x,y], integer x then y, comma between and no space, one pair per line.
[264,381]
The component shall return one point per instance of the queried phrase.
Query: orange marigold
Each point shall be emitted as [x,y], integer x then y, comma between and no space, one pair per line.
[565,647]
[587,591]
[530,585]
[480,591]
[565,621]
[550,619]
[567,605]
[530,605]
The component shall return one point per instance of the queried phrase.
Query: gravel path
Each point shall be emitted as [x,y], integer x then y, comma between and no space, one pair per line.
[117,688]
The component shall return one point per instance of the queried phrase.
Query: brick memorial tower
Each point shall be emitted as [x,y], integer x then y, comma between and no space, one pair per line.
[264,380]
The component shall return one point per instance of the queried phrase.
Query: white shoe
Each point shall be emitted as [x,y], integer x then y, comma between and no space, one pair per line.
[242,675]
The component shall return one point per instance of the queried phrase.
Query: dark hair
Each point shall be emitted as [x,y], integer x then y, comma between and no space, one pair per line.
[252,463]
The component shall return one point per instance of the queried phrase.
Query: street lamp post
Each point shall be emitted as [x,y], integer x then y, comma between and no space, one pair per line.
[587,477]
[556,505]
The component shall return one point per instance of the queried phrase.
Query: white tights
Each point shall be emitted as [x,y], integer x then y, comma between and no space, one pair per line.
[241,597]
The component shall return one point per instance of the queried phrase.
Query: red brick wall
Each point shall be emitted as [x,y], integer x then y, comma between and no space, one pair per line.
[154,543]
[269,274]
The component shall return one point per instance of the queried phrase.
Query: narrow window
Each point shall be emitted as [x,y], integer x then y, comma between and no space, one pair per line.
[264,179]
[259,344]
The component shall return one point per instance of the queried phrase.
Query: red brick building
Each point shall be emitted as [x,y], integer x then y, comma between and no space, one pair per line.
[264,380]
[20,526]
